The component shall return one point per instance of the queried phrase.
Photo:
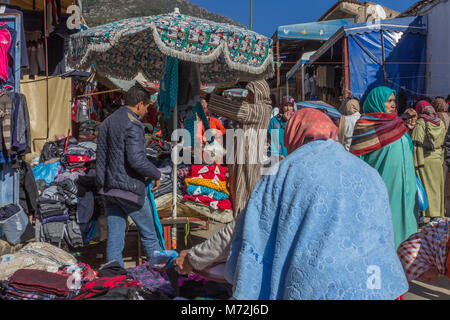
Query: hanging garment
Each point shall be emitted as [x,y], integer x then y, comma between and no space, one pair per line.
[83,111]
[23,46]
[28,192]
[167,97]
[5,116]
[5,52]
[40,57]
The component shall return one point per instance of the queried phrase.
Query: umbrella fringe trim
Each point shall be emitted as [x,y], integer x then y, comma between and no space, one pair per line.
[222,48]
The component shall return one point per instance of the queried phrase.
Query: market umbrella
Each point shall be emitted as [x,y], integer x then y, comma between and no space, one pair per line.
[225,53]
[122,49]
[331,111]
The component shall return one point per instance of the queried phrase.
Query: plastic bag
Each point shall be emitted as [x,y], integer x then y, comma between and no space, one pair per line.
[423,200]
[46,172]
[163,259]
[15,226]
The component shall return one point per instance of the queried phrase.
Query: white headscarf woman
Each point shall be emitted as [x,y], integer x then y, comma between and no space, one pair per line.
[351,115]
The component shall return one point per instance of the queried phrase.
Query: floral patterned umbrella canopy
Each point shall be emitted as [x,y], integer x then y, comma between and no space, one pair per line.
[122,49]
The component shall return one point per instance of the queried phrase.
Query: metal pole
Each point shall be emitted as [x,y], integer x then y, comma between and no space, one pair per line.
[251,14]
[175,178]
[46,63]
[303,82]
[346,68]
[384,58]
[287,87]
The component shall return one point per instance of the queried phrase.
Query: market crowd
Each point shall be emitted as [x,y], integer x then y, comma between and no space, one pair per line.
[367,190]
[346,197]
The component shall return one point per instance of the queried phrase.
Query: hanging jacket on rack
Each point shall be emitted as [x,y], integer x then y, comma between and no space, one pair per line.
[28,192]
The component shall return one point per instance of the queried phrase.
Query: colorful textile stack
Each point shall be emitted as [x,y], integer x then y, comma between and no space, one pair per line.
[27,284]
[207,186]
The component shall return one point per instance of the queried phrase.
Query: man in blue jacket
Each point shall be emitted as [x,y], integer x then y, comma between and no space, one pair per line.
[122,172]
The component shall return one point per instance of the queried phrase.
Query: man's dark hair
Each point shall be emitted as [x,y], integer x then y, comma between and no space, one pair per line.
[137,94]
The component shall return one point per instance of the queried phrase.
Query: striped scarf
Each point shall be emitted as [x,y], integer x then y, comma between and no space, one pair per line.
[374,131]
[5,116]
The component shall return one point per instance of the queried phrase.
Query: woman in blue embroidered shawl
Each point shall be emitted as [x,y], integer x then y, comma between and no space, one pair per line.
[319,227]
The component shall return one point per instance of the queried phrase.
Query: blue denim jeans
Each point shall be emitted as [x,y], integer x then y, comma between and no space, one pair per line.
[117,216]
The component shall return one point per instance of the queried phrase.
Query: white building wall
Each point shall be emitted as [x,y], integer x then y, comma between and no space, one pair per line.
[438,50]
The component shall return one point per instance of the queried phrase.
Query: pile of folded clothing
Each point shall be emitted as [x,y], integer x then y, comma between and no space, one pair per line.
[160,146]
[55,149]
[207,186]
[57,217]
[87,130]
[26,284]
[80,150]
[164,165]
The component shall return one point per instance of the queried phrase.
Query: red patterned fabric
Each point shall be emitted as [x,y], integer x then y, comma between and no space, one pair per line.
[207,201]
[426,249]
[103,285]
[209,172]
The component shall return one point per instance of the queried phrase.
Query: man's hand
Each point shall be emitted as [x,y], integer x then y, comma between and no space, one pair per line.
[157,185]
[182,264]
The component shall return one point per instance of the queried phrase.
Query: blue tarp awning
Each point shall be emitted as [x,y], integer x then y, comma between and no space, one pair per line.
[322,30]
[407,25]
[404,42]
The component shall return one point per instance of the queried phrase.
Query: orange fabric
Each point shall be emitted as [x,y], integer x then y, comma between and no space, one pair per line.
[308,124]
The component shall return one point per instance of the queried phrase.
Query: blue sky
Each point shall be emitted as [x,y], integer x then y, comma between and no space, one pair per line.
[269,14]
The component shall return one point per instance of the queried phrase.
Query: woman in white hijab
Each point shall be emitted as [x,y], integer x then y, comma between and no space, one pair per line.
[350,111]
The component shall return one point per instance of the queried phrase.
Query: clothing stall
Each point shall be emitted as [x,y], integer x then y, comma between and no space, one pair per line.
[11,33]
[371,54]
